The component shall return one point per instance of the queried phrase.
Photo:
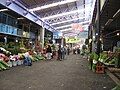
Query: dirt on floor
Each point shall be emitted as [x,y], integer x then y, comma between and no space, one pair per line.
[69,74]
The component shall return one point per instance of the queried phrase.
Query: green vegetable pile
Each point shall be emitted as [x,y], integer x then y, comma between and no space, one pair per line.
[3,65]
[36,57]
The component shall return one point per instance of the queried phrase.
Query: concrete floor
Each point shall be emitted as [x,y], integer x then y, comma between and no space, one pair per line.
[70,74]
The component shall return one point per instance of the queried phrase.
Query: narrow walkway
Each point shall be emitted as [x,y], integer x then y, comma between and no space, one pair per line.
[70,74]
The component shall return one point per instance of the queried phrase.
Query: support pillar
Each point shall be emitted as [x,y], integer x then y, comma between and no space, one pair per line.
[94,46]
[62,42]
[41,33]
[98,28]
[38,35]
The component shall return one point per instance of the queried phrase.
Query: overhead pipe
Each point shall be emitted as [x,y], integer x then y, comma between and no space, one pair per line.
[112,32]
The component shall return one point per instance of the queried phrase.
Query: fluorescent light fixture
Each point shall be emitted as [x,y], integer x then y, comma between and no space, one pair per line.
[108,22]
[63,26]
[63,14]
[67,21]
[66,30]
[71,28]
[70,25]
[20,18]
[70,34]
[52,5]
[116,14]
[2,10]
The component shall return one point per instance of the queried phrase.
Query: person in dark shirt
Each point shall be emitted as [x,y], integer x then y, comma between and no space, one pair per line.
[49,52]
[68,51]
[78,51]
[59,53]
[63,50]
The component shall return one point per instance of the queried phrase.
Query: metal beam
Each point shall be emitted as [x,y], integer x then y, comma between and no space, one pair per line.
[52,5]
[20,9]
[65,21]
[63,14]
[65,18]
[70,28]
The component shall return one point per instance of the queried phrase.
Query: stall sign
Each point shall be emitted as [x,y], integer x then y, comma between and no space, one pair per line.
[72,40]
[6,29]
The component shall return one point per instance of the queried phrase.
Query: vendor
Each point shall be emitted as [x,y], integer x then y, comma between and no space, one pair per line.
[27,60]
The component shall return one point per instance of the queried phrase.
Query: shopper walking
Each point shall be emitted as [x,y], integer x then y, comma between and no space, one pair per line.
[63,51]
[68,51]
[49,52]
[59,53]
[78,50]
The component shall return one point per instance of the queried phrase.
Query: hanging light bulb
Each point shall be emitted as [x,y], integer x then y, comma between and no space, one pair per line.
[16,40]
[118,34]
[93,37]
[96,34]
[100,39]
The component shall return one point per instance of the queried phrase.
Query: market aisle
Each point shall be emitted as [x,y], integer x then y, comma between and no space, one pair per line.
[70,74]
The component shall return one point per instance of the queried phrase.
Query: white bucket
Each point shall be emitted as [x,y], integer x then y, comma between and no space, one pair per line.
[19,62]
[14,63]
[9,63]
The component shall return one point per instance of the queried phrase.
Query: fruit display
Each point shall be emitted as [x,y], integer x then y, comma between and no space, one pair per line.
[8,59]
